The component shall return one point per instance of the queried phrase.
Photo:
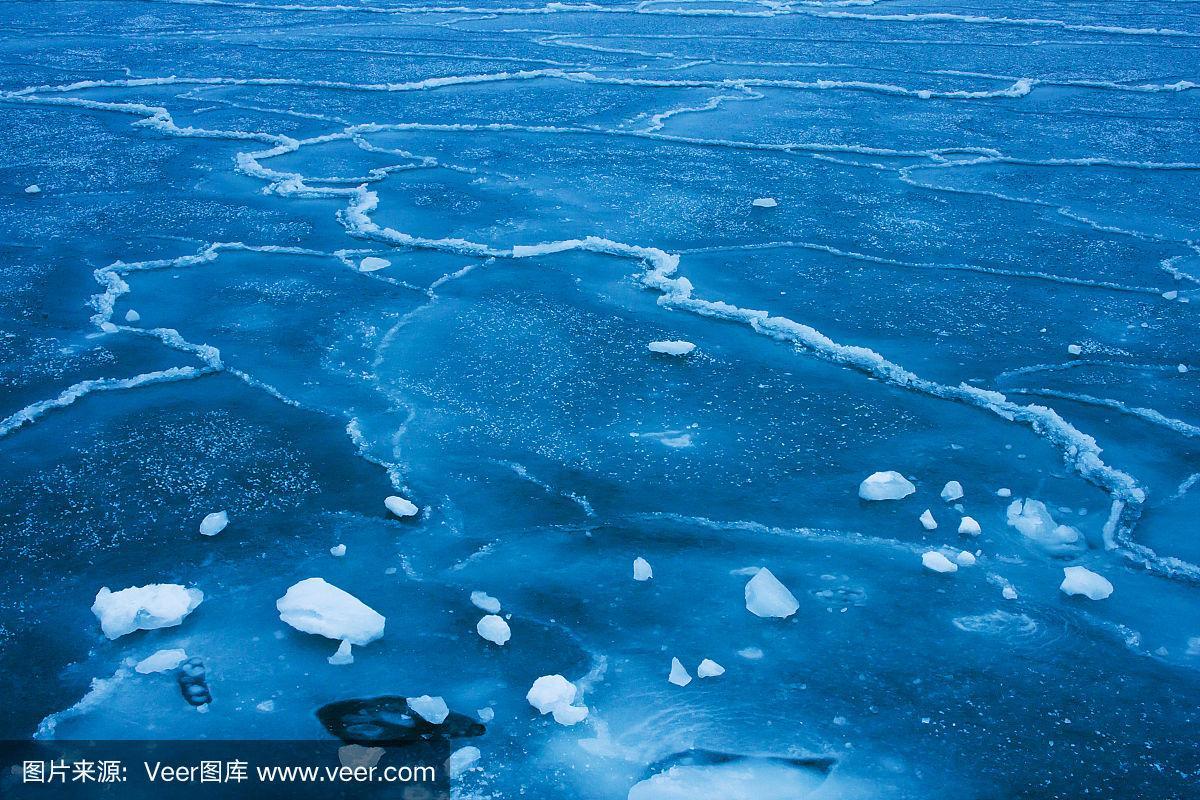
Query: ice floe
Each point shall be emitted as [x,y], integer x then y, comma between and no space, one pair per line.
[554,694]
[401,507]
[927,520]
[937,562]
[676,347]
[161,661]
[1082,581]
[33,188]
[1074,349]
[156,605]
[214,523]
[494,629]
[132,316]
[315,606]
[430,709]
[1004,492]
[969,526]
[338,550]
[679,674]
[485,602]
[709,669]
[888,485]
[642,570]
[952,491]
[764,202]
[767,597]
[373,263]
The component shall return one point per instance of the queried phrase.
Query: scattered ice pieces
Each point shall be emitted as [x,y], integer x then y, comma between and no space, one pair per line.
[885,486]
[431,709]
[161,661]
[927,520]
[338,550]
[969,526]
[1033,520]
[156,605]
[965,558]
[494,629]
[1004,492]
[214,523]
[937,562]
[709,669]
[1081,580]
[1074,349]
[642,570]
[372,263]
[679,674]
[764,202]
[485,602]
[1008,593]
[314,606]
[461,760]
[555,694]
[401,507]
[676,347]
[132,316]
[952,491]
[767,597]
[344,654]
[33,188]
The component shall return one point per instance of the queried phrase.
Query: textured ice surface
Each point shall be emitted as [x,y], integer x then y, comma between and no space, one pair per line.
[155,605]
[192,321]
[315,606]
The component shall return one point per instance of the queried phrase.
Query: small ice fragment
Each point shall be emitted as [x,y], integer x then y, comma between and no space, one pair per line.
[1081,580]
[343,655]
[314,606]
[641,569]
[485,714]
[400,507]
[338,550]
[1170,295]
[1182,368]
[965,559]
[549,692]
[764,202]
[1074,349]
[952,491]
[485,602]
[751,653]
[214,523]
[888,485]
[1033,520]
[767,597]
[969,526]
[569,715]
[33,188]
[1004,492]
[676,347]
[709,669]
[937,562]
[494,629]
[679,675]
[1008,593]
[927,520]
[132,316]
[156,605]
[266,706]
[356,755]
[461,760]
[432,709]
[161,661]
[372,263]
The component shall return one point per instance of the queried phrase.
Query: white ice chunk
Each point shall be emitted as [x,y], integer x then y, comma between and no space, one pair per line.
[485,714]
[314,606]
[1008,593]
[1081,580]
[965,558]
[1032,519]
[33,188]
[549,692]
[156,605]
[569,715]
[679,674]
[338,550]
[432,709]
[1170,295]
[952,491]
[885,486]
[642,570]
[764,202]
[132,316]
[937,562]
[485,602]
[709,669]
[494,629]
[927,520]
[676,347]
[372,263]
[1182,368]
[461,760]
[767,597]
[214,523]
[266,706]
[344,654]
[1074,349]
[161,661]
[401,507]
[969,526]
[1004,492]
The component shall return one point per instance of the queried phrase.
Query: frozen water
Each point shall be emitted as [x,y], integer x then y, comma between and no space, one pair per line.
[145,608]
[672,348]
[343,655]
[1033,519]
[485,602]
[494,629]
[927,520]
[767,597]
[315,606]
[1081,580]
[679,674]
[373,263]
[400,506]
[338,550]
[642,570]
[214,523]
[462,759]
[764,202]
[709,669]
[933,560]
[952,491]
[885,486]
[161,661]
[550,691]
[431,709]
[965,558]
[969,526]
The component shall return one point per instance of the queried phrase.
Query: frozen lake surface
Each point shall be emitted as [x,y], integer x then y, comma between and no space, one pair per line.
[269,264]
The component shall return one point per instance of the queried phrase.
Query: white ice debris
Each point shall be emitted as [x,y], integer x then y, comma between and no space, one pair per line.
[885,486]
[642,570]
[214,523]
[1008,593]
[676,347]
[679,674]
[132,316]
[1074,349]
[401,507]
[314,606]
[927,520]
[161,661]
[461,760]
[338,550]
[764,202]
[767,597]
[1032,519]
[1081,580]
[33,188]
[554,694]
[969,526]
[937,562]
[494,629]
[485,602]
[156,605]
[266,706]
[344,654]
[1182,368]
[751,653]
[965,558]
[709,669]
[952,491]
[432,709]
[485,714]
[1004,492]
[1170,295]
[372,263]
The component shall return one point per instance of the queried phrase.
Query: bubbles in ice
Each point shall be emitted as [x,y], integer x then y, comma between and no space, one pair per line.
[888,485]
[767,597]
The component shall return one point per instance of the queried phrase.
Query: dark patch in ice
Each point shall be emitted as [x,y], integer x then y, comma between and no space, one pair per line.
[192,683]
[389,721]
[695,757]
